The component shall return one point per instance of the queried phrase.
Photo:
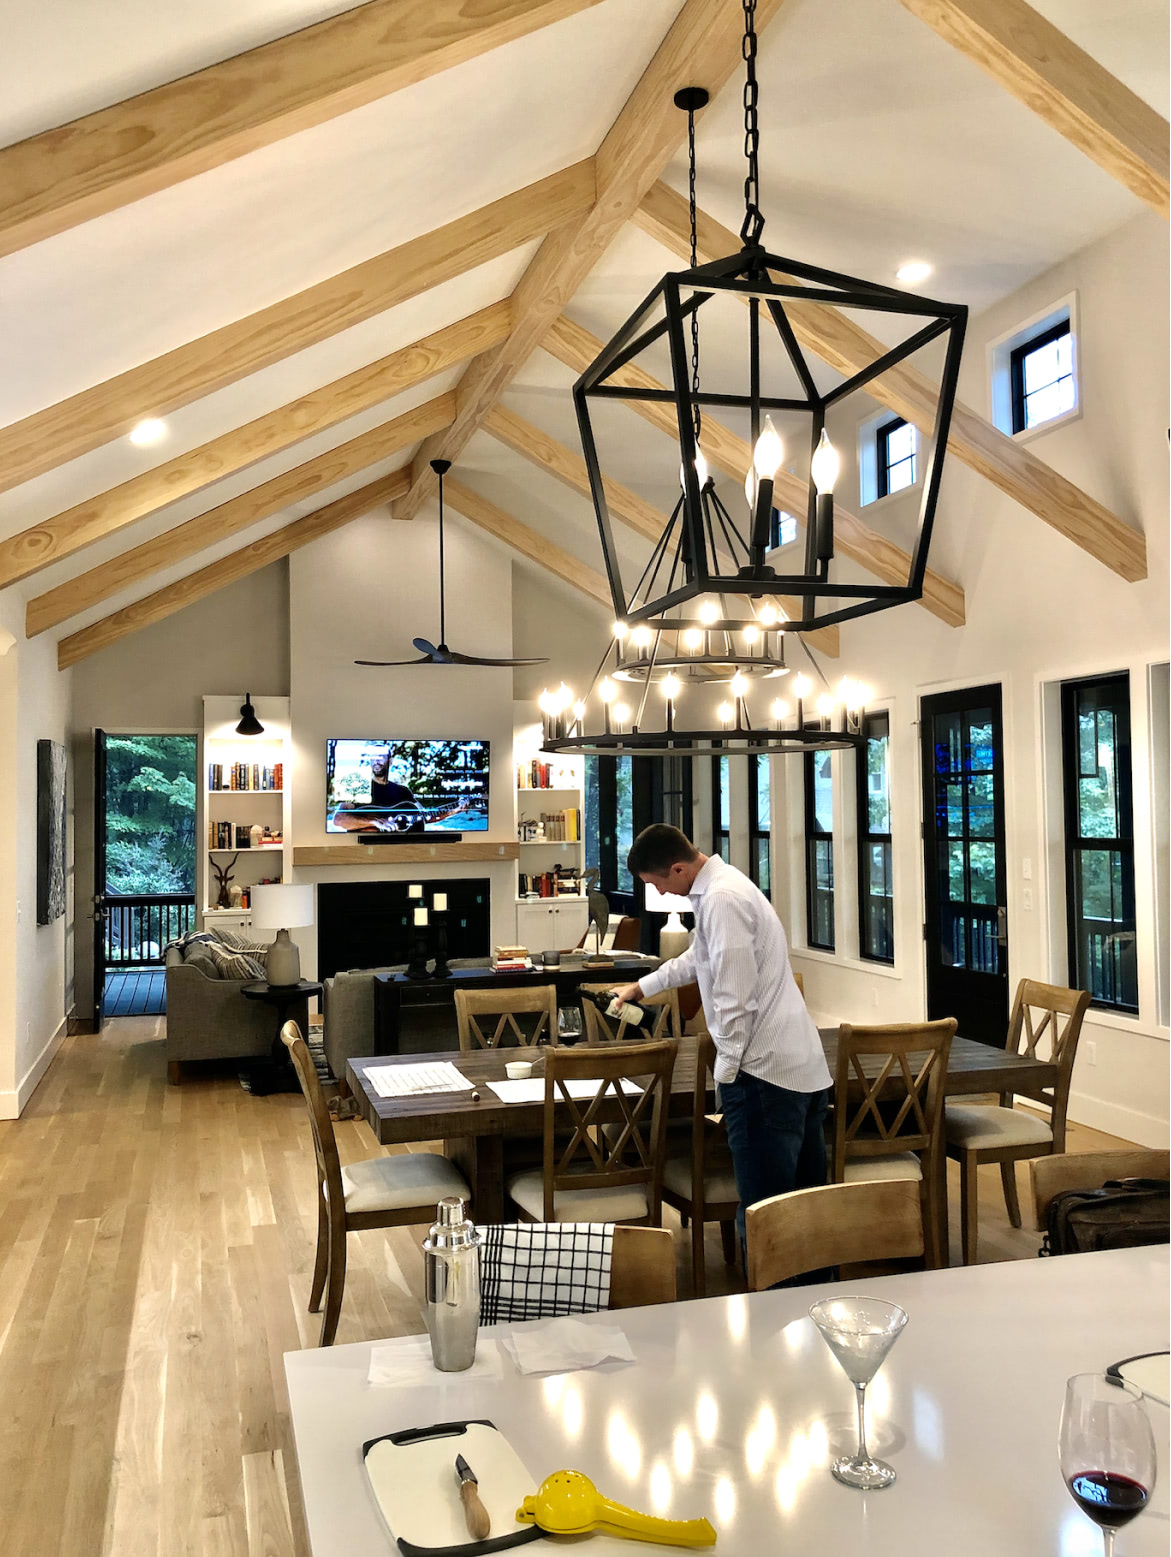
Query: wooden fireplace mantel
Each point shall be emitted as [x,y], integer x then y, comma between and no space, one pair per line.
[403,853]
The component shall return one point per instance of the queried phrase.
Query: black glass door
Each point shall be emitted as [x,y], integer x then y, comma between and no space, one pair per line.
[101,912]
[966,925]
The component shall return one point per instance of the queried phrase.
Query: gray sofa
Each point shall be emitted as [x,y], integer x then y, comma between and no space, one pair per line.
[209,1019]
[348,1007]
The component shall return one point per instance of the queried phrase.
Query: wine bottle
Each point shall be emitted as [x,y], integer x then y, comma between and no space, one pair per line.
[630,1012]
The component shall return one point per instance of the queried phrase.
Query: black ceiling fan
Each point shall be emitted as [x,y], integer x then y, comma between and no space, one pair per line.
[439,653]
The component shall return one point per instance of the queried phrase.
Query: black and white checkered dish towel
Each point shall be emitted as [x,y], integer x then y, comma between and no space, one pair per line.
[543,1270]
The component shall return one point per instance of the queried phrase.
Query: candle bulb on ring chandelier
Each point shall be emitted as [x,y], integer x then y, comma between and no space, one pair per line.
[693,640]
[780,711]
[709,612]
[621,715]
[607,691]
[825,708]
[801,685]
[725,713]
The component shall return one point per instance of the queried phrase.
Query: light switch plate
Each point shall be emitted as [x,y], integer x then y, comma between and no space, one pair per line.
[1027,869]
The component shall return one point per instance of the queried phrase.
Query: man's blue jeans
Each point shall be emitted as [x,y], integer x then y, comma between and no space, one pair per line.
[776,1138]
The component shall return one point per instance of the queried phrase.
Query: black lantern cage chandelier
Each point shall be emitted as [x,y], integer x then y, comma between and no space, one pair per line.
[710,607]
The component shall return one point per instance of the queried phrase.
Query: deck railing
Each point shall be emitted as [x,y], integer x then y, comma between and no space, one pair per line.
[138,928]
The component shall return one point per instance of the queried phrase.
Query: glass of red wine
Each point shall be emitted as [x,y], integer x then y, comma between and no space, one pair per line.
[1107,1451]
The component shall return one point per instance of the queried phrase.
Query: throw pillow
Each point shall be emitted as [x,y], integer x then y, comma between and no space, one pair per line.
[236,941]
[199,957]
[235,964]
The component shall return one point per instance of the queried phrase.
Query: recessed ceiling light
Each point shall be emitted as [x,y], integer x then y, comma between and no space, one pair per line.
[911,272]
[151,431]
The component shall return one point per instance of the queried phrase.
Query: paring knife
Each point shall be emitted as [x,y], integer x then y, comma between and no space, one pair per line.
[475,1513]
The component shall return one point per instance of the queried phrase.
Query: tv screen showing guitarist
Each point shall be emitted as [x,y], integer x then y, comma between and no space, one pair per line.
[391,808]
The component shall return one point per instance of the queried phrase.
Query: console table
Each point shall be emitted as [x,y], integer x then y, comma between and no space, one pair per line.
[418,1015]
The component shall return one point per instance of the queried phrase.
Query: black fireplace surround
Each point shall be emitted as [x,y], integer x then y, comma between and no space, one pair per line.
[370,924]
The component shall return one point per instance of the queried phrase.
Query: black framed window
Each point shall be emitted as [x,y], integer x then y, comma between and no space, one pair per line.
[1041,377]
[1099,840]
[721,807]
[609,825]
[876,939]
[819,850]
[760,845]
[896,451]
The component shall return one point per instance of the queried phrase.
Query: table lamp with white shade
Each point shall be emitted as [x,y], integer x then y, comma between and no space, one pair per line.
[673,938]
[277,907]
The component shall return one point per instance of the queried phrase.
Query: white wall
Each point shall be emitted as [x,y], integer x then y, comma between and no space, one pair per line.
[1039,610]
[38,977]
[365,592]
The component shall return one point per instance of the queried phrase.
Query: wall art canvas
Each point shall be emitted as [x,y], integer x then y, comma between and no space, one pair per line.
[51,757]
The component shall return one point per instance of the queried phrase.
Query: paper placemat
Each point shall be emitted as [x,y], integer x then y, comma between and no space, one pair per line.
[408,1080]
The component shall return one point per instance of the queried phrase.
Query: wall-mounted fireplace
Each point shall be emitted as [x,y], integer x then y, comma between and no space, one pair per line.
[369,924]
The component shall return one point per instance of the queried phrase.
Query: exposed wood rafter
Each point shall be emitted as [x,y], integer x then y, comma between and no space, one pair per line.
[217,575]
[68,175]
[111,511]
[847,347]
[547,454]
[527,542]
[239,513]
[577,348]
[1074,95]
[701,48]
[94,416]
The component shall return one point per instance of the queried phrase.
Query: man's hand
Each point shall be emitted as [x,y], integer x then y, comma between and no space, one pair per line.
[628,992]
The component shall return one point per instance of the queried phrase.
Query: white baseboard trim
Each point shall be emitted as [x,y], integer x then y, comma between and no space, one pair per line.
[1114,1119]
[12,1104]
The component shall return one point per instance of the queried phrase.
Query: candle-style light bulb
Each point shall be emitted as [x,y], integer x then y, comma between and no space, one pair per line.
[801,685]
[621,713]
[751,636]
[780,709]
[607,691]
[769,616]
[579,710]
[750,488]
[739,685]
[709,612]
[768,452]
[825,465]
[619,629]
[693,639]
[701,469]
[671,686]
[725,712]
[564,698]
[546,702]
[825,705]
[641,637]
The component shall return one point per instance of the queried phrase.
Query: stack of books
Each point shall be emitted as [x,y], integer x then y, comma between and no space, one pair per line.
[511,959]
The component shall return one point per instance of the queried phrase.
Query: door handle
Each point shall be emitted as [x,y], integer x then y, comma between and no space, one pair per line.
[1002,926]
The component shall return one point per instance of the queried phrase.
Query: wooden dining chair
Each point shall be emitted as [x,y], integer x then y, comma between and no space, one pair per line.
[1046,1022]
[697,1173]
[1060,1171]
[506,1005]
[838,1224]
[799,980]
[400,1191]
[888,1113]
[589,1174]
[600,1028]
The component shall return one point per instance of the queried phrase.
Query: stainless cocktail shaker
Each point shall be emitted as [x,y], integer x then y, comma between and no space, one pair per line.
[451,1267]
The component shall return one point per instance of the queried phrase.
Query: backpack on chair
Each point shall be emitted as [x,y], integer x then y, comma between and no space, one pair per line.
[1123,1214]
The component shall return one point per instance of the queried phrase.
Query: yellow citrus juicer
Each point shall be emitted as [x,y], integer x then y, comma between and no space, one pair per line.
[568,1503]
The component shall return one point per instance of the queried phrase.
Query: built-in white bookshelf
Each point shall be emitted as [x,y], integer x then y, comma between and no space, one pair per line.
[549,815]
[247,809]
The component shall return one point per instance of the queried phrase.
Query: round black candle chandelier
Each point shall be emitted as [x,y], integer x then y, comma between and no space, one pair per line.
[710,606]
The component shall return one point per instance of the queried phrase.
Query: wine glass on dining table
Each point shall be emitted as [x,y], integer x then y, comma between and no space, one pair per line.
[1107,1451]
[860,1331]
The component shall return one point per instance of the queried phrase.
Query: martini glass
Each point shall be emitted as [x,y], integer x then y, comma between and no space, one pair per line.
[1107,1451]
[860,1331]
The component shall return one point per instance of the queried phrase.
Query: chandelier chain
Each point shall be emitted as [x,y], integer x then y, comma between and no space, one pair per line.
[753,225]
[696,418]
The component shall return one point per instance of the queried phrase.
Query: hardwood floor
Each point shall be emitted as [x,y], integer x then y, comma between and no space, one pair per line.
[156,1248]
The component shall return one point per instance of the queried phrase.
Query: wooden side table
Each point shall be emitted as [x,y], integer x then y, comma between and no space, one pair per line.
[276,1074]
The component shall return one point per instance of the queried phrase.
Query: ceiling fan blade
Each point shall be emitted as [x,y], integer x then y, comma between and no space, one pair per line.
[476,659]
[426,647]
[387,664]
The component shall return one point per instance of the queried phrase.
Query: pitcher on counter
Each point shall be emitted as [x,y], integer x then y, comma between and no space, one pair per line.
[770,1069]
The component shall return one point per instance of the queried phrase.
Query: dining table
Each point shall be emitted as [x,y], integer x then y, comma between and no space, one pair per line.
[733,1408]
[474,1129]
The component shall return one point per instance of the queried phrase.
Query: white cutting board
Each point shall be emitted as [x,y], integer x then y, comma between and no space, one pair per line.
[416,1486]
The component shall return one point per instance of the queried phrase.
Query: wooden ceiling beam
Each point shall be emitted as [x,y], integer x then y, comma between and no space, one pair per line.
[109,512]
[1061,83]
[52,181]
[249,559]
[702,47]
[547,454]
[237,514]
[848,348]
[527,542]
[574,346]
[86,420]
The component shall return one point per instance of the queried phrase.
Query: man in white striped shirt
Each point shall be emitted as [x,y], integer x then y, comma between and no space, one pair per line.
[770,1068]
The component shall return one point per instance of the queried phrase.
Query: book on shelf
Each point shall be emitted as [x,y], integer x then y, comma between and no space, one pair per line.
[250,776]
[536,774]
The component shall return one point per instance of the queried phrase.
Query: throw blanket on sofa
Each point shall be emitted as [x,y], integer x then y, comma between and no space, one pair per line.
[220,953]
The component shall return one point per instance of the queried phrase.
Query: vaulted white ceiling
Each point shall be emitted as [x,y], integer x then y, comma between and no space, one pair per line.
[879,143]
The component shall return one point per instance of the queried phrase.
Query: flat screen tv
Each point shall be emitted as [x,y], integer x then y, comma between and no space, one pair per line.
[393,786]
